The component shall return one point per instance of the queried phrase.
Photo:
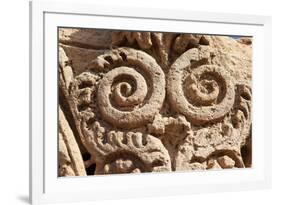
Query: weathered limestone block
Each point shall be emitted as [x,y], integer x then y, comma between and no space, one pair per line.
[164,47]
[131,109]
[85,38]
[150,102]
[80,57]
[70,159]
[66,77]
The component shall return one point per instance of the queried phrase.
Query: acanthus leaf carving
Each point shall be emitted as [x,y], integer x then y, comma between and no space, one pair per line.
[128,88]
[129,124]
[164,47]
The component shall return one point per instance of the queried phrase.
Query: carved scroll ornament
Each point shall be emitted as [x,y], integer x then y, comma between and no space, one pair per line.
[137,113]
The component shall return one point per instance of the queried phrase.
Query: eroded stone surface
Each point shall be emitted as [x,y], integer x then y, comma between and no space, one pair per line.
[149,102]
[70,159]
[85,38]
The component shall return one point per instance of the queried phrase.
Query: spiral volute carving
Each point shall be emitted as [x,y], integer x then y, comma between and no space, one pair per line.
[204,93]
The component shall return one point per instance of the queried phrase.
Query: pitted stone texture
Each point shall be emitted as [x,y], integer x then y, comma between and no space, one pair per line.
[85,38]
[80,57]
[135,105]
[126,152]
[128,88]
[70,159]
[206,93]
[164,47]
[164,102]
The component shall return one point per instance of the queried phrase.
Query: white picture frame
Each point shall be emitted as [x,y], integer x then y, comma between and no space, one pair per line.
[46,187]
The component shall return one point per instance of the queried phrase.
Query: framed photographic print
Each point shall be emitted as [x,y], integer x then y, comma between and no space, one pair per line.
[129,102]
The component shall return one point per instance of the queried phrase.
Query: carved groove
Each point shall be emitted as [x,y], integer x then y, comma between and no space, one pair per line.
[116,108]
[127,88]
[207,85]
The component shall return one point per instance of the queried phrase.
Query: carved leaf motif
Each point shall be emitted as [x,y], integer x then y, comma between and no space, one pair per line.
[119,110]
[164,47]
[125,152]
[127,93]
